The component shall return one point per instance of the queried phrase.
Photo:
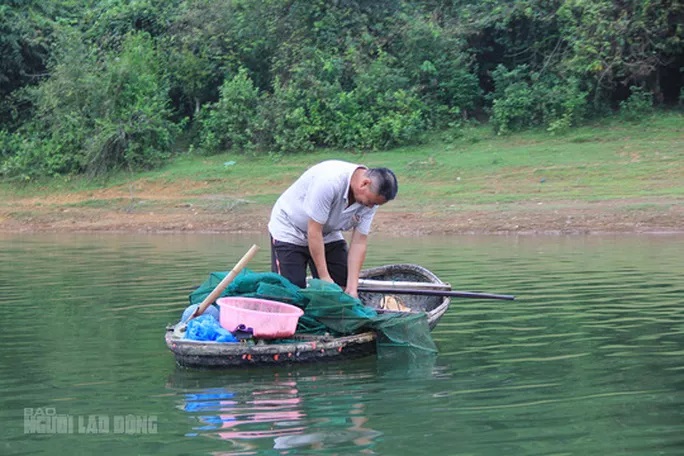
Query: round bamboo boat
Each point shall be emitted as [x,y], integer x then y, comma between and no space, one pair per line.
[302,348]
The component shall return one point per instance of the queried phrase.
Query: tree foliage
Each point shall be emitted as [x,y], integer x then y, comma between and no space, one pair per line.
[96,85]
[231,123]
[96,114]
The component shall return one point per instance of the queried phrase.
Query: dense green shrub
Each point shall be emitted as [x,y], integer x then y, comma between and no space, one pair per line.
[312,109]
[97,85]
[133,127]
[301,108]
[11,145]
[527,99]
[439,66]
[513,99]
[292,125]
[381,111]
[97,113]
[231,122]
[112,21]
[637,105]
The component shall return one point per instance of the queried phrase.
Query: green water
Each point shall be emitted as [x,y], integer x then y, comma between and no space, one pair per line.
[589,360]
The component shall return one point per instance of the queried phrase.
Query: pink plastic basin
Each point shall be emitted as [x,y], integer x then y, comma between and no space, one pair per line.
[268,319]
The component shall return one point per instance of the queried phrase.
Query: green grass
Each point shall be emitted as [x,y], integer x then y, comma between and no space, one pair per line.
[101,203]
[608,160]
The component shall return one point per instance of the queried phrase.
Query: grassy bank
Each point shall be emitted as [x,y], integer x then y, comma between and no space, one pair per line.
[639,167]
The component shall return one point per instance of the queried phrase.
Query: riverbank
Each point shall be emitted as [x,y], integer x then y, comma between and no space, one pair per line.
[164,212]
[612,177]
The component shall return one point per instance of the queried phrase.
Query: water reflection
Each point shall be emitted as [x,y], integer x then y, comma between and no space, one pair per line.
[280,410]
[269,412]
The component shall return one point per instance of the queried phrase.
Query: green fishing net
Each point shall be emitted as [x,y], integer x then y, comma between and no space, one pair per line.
[327,309]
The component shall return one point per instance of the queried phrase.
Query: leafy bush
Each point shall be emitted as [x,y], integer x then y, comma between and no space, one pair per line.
[525,99]
[88,86]
[563,103]
[380,109]
[439,66]
[301,110]
[380,112]
[513,99]
[11,158]
[637,105]
[289,122]
[97,113]
[133,128]
[9,144]
[110,22]
[231,122]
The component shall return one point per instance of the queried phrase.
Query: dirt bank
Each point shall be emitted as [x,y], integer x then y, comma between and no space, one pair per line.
[165,210]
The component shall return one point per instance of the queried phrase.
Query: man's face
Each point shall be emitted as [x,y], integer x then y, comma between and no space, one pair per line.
[367,197]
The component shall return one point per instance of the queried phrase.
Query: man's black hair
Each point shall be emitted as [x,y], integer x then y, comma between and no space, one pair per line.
[384,182]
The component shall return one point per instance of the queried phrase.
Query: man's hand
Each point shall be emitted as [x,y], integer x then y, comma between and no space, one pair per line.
[355,259]
[317,249]
[352,292]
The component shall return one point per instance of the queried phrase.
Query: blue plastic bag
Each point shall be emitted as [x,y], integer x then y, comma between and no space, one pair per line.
[190,311]
[207,328]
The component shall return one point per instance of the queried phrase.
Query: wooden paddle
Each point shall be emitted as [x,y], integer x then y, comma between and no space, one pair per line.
[425,292]
[216,292]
